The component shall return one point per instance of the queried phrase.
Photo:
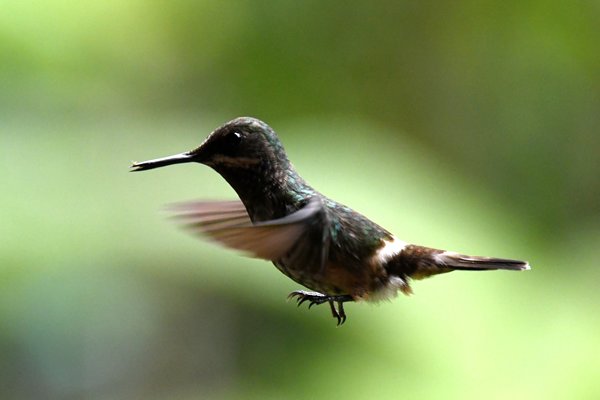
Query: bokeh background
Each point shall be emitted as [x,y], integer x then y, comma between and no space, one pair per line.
[469,125]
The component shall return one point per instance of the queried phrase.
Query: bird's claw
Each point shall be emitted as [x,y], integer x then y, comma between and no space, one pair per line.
[313,298]
[338,313]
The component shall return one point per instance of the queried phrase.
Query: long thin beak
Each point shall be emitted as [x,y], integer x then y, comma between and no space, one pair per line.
[161,162]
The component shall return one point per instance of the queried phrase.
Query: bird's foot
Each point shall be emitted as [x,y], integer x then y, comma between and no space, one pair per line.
[318,298]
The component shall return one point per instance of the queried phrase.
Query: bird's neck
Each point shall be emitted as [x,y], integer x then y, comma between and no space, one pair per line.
[269,193]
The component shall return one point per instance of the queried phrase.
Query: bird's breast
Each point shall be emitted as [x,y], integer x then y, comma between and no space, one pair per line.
[357,279]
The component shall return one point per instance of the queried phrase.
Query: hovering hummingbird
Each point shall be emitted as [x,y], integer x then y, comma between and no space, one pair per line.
[319,243]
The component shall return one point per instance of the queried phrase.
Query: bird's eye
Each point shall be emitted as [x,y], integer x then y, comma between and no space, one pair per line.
[233,138]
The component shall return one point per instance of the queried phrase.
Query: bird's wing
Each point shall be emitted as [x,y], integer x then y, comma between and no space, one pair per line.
[228,223]
[310,251]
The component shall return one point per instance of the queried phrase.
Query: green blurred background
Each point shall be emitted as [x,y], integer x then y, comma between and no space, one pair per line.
[470,125]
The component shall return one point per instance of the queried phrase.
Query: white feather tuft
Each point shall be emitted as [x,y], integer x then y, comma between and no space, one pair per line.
[389,250]
[390,290]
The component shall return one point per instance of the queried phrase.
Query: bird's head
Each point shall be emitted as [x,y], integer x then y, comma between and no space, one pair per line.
[243,144]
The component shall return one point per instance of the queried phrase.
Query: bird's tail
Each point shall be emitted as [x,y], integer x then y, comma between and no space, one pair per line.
[419,262]
[477,263]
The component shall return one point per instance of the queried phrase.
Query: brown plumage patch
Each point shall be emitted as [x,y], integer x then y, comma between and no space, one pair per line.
[416,262]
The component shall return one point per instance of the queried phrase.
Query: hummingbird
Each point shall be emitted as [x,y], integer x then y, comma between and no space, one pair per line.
[325,246]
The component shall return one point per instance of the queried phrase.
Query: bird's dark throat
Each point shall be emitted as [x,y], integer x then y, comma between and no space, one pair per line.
[267,192]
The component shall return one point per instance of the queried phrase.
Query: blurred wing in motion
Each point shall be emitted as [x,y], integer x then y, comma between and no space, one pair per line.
[228,223]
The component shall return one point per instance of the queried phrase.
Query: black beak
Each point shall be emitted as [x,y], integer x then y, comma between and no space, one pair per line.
[161,162]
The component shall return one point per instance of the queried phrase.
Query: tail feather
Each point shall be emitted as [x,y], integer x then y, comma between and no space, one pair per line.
[418,262]
[474,263]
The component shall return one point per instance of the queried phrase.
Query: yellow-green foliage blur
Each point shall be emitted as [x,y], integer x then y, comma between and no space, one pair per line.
[471,126]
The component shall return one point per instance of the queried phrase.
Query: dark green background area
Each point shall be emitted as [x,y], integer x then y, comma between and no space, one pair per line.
[471,126]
